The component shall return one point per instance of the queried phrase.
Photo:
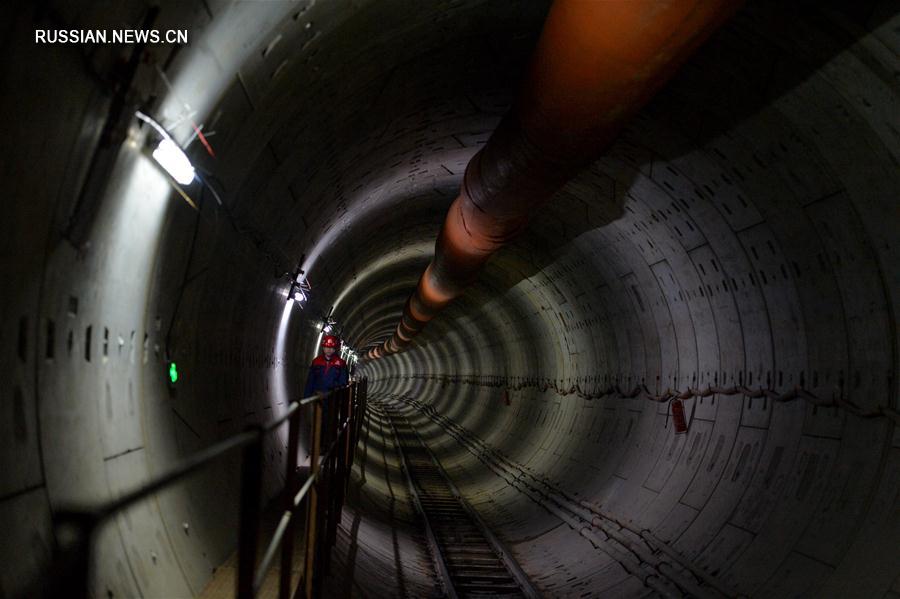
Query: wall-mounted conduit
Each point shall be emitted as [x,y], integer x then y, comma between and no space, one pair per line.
[837,400]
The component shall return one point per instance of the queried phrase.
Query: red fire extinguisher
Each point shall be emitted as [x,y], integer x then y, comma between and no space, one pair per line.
[678,416]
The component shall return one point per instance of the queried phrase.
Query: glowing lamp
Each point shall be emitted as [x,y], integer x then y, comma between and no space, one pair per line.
[174,161]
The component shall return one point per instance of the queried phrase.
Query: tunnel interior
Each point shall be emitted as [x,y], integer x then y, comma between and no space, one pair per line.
[740,233]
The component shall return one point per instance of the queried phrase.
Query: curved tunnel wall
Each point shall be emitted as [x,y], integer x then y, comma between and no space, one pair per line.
[739,231]
[741,255]
[749,251]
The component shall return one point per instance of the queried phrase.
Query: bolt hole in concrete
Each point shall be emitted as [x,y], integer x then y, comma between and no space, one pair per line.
[50,341]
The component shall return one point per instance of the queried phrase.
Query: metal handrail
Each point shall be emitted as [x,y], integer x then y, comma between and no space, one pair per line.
[277,537]
[276,422]
[179,471]
[75,525]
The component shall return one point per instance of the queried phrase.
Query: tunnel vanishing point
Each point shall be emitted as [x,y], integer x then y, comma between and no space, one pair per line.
[617,280]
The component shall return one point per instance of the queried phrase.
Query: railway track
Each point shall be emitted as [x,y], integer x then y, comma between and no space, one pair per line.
[469,559]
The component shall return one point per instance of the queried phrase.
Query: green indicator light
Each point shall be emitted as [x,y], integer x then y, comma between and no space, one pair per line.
[173,372]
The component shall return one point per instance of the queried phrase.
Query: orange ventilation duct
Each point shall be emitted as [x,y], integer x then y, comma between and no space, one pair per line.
[596,64]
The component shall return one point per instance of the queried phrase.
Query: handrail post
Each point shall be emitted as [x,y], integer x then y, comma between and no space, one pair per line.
[290,489]
[248,535]
[351,428]
[327,492]
[360,408]
[312,503]
[74,532]
[340,463]
[349,414]
[341,467]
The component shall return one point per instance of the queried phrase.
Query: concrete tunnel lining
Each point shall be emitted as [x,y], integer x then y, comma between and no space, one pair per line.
[742,226]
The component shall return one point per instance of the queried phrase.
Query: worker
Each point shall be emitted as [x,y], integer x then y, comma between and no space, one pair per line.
[328,371]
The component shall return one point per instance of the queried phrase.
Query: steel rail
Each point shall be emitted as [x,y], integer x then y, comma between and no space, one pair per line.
[511,564]
[440,559]
[655,573]
[458,516]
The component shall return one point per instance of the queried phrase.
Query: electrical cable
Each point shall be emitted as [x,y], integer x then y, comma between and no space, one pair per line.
[187,270]
[207,179]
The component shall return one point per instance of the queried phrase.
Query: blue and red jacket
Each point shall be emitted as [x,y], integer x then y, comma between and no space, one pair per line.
[325,375]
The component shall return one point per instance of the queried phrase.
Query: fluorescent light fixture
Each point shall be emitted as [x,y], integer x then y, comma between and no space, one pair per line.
[168,154]
[174,161]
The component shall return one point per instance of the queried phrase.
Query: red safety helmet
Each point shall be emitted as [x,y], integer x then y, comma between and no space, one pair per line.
[331,341]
